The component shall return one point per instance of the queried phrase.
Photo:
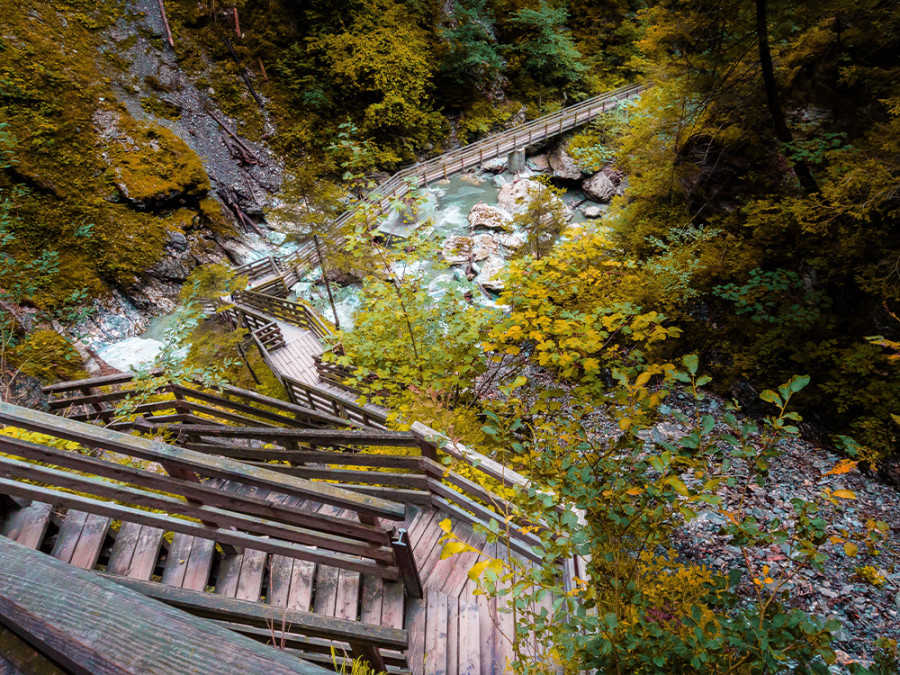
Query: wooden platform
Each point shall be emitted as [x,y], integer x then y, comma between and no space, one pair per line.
[295,359]
[451,630]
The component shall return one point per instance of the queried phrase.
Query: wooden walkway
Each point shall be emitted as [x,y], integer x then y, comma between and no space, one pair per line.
[295,359]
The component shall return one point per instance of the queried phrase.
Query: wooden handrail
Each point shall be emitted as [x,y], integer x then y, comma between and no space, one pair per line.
[61,610]
[194,462]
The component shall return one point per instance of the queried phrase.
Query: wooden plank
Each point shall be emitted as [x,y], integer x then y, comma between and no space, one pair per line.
[177,559]
[325,599]
[253,567]
[123,549]
[62,609]
[347,599]
[204,465]
[392,609]
[261,615]
[415,626]
[146,553]
[212,516]
[436,633]
[452,635]
[199,564]
[469,635]
[371,599]
[232,537]
[68,535]
[28,525]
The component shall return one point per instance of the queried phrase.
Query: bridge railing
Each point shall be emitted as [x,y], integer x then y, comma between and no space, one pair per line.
[496,145]
[294,313]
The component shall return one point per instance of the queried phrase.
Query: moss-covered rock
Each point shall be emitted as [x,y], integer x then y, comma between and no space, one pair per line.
[154,169]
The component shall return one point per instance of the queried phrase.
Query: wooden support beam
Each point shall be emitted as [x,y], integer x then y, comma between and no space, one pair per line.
[62,611]
[261,615]
[406,564]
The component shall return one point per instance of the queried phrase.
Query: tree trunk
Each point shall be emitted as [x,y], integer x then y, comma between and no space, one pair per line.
[768,72]
[337,322]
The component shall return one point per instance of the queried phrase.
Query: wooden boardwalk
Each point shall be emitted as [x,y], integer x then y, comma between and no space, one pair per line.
[451,630]
[295,359]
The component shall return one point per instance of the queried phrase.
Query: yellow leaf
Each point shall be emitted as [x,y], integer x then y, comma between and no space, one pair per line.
[478,569]
[642,379]
[634,491]
[446,525]
[850,549]
[844,494]
[624,423]
[452,548]
[844,466]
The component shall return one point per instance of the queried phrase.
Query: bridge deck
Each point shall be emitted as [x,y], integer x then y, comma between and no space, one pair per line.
[451,630]
[295,359]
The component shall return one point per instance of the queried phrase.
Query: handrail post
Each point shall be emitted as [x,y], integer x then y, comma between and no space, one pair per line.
[406,564]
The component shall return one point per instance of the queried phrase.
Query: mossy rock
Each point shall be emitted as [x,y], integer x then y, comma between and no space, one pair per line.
[153,168]
[47,355]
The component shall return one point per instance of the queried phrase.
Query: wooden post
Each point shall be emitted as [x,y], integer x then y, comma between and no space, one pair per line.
[406,565]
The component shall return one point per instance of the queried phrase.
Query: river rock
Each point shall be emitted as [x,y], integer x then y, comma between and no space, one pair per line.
[511,242]
[563,164]
[489,276]
[539,163]
[459,250]
[496,165]
[599,187]
[592,211]
[489,217]
[513,197]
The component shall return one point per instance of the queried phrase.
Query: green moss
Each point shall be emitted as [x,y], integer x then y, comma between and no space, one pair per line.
[151,164]
[47,355]
[160,108]
[64,181]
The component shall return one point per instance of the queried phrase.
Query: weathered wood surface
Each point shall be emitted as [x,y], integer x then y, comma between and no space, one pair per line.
[216,467]
[265,616]
[65,610]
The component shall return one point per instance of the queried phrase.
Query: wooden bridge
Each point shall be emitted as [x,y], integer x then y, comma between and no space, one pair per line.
[186,528]
[502,144]
[281,523]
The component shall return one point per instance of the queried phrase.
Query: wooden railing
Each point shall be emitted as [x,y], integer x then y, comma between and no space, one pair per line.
[324,401]
[294,313]
[269,337]
[87,624]
[472,155]
[496,145]
[97,399]
[259,269]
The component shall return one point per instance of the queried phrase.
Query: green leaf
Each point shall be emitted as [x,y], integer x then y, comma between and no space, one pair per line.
[770,396]
[691,362]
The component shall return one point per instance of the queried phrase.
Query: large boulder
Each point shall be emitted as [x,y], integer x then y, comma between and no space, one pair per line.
[459,250]
[593,211]
[489,276]
[513,197]
[563,164]
[512,242]
[599,187]
[539,163]
[496,165]
[489,217]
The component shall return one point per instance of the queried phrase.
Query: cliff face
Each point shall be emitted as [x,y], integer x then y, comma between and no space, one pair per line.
[119,167]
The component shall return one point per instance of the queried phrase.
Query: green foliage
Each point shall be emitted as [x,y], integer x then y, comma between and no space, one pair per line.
[473,53]
[544,218]
[153,105]
[616,503]
[543,50]
[47,355]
